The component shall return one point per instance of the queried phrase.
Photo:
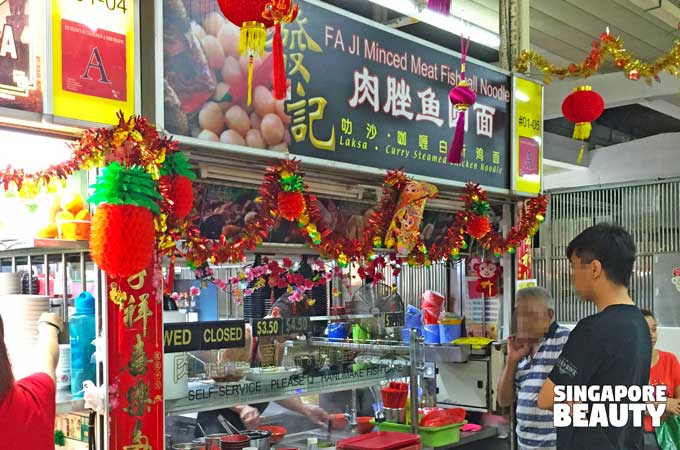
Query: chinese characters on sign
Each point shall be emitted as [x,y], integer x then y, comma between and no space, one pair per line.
[306,112]
[386,109]
[358,93]
[135,361]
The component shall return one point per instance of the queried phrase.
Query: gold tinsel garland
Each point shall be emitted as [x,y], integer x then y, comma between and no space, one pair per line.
[607,47]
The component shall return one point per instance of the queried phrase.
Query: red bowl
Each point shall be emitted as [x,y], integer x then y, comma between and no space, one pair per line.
[277,432]
[339,421]
[235,439]
[364,425]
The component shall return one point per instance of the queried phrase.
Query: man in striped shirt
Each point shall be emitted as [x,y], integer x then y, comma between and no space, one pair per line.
[531,356]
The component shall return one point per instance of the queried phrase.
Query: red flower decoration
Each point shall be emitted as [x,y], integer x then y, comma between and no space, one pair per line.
[477,226]
[291,205]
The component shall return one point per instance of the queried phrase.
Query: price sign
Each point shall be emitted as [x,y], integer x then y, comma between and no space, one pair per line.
[394,319]
[267,327]
[293,325]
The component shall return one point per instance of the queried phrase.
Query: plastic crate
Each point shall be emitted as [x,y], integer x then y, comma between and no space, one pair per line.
[429,436]
[382,440]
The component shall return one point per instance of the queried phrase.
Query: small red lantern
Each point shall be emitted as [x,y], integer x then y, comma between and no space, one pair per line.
[582,107]
[254,17]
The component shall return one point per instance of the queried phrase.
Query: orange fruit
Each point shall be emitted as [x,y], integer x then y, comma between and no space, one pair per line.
[50,231]
[65,219]
[83,229]
[83,214]
[72,203]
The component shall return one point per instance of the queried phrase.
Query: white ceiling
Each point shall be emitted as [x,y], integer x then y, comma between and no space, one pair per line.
[566,28]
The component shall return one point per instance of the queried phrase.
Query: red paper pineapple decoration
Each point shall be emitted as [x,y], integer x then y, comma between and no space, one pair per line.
[291,199]
[123,234]
[176,176]
[254,17]
[582,107]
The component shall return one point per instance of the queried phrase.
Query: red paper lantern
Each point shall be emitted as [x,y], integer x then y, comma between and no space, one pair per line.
[582,107]
[254,17]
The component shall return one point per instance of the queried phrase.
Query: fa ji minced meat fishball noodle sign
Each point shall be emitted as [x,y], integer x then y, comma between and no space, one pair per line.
[359,93]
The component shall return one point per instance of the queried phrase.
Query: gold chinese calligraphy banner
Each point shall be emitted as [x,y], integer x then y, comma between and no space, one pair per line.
[135,349]
[359,93]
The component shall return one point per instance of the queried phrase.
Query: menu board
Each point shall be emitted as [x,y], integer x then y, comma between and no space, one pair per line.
[359,93]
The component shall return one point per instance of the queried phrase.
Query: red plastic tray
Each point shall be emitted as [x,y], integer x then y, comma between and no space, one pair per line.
[381,440]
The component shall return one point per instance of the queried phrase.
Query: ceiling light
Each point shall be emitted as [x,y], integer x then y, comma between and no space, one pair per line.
[449,23]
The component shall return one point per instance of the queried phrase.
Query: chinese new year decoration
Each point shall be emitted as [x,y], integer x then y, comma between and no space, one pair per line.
[403,231]
[135,348]
[606,47]
[175,182]
[439,6]
[582,107]
[122,240]
[280,11]
[461,97]
[254,17]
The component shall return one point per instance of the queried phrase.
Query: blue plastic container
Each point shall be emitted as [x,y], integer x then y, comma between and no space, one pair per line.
[406,334]
[82,333]
[431,333]
[338,330]
[449,332]
[413,317]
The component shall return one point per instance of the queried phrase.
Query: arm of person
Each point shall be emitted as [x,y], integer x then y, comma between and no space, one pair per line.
[47,357]
[580,359]
[316,414]
[546,398]
[249,415]
[506,384]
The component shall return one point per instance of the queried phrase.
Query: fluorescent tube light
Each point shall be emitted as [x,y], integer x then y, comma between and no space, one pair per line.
[449,23]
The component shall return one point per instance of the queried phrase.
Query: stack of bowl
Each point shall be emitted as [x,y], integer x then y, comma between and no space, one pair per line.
[10,283]
[20,314]
[235,442]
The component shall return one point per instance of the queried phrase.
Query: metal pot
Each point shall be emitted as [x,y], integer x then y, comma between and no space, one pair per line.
[259,439]
[188,446]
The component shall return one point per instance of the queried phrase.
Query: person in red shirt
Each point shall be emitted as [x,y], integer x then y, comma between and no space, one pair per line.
[28,406]
[665,370]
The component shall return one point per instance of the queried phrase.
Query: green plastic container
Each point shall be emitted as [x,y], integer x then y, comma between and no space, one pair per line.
[430,436]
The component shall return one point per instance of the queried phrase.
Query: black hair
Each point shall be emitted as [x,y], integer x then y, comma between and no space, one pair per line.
[612,246]
[647,313]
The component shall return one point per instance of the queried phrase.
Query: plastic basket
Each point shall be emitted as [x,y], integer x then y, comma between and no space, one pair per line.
[429,436]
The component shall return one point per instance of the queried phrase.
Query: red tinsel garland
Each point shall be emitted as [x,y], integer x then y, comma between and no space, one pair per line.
[135,141]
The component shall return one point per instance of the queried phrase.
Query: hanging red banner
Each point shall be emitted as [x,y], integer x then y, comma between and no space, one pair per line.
[524,251]
[135,319]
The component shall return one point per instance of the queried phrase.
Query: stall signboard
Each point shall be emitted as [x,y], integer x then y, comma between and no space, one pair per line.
[360,93]
[527,155]
[93,58]
[195,336]
[21,50]
[135,360]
